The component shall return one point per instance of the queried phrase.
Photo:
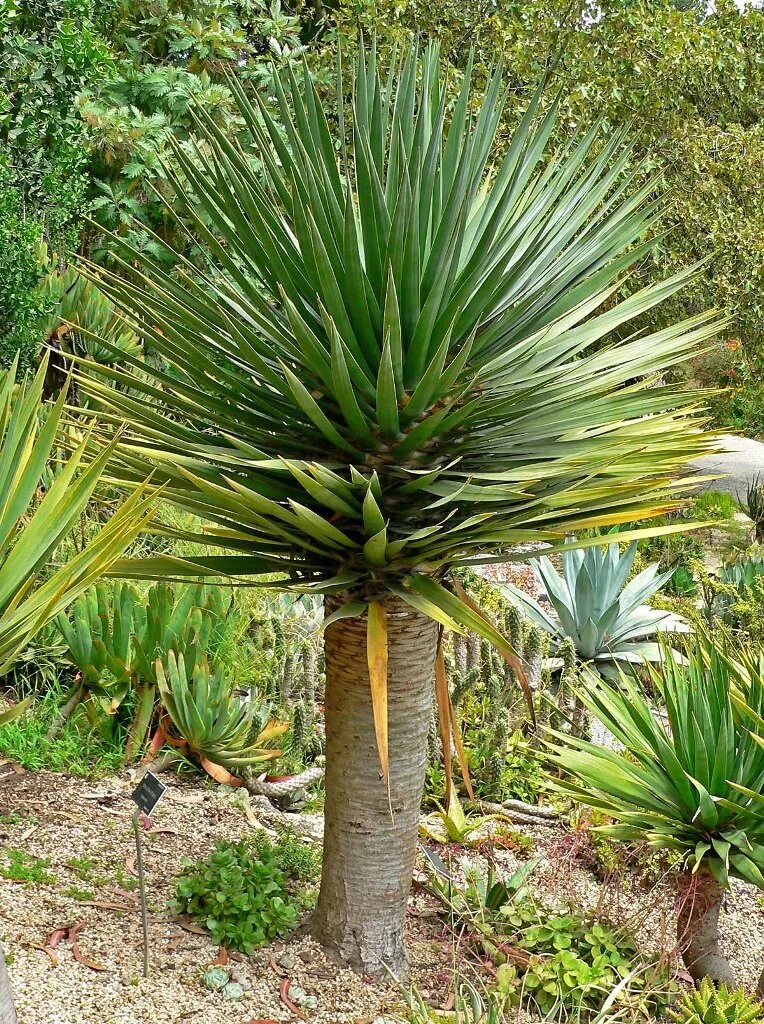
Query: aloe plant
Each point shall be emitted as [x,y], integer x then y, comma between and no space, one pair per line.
[213,725]
[98,634]
[606,618]
[712,1004]
[690,786]
[86,319]
[115,638]
[187,621]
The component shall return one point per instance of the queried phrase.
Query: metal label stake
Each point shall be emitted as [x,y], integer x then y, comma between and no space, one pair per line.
[146,795]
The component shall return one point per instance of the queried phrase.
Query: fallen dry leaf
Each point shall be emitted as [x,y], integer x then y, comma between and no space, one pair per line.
[84,960]
[56,937]
[103,905]
[188,925]
[284,996]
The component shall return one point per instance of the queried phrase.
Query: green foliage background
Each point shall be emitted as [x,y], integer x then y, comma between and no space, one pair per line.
[91,93]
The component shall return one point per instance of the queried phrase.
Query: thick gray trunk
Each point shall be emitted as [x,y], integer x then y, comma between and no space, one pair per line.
[698,929]
[7,1013]
[369,855]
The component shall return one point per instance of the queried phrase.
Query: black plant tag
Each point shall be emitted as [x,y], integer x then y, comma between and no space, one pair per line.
[148,793]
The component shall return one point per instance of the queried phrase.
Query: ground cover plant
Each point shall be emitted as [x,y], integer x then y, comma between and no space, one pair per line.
[239,894]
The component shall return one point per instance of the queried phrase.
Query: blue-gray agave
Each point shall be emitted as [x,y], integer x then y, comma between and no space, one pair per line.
[606,618]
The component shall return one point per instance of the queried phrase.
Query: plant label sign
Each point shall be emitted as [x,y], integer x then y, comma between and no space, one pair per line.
[148,793]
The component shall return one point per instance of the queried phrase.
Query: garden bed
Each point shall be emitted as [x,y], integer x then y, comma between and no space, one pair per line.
[79,852]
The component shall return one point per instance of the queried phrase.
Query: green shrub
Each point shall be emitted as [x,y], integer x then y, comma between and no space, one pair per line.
[713,505]
[22,300]
[239,893]
[723,1005]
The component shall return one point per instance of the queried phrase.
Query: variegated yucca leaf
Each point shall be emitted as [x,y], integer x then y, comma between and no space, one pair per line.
[33,525]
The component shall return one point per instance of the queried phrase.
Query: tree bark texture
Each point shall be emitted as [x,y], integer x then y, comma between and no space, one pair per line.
[7,1013]
[698,929]
[368,853]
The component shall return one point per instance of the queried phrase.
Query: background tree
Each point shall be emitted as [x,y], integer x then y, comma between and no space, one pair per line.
[403,359]
[688,77]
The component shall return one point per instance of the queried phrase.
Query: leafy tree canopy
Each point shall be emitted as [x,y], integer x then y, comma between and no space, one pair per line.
[690,82]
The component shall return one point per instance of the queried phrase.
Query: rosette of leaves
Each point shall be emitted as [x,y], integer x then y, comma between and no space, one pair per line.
[186,620]
[606,618]
[689,784]
[722,1004]
[214,725]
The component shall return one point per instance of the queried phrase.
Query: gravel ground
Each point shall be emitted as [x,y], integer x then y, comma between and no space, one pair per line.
[83,829]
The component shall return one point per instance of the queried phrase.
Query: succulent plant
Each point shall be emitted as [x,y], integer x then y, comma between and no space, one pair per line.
[214,725]
[709,1004]
[234,990]
[85,318]
[98,634]
[606,618]
[216,978]
[187,620]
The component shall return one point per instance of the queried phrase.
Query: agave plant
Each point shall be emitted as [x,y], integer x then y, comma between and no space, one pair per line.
[407,355]
[606,618]
[688,786]
[213,725]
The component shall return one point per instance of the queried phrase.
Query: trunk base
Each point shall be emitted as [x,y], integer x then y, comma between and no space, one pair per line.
[698,929]
[370,835]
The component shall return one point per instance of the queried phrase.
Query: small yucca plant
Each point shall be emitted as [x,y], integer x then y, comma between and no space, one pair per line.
[688,785]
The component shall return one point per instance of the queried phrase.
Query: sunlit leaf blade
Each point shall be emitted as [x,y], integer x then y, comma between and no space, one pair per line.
[376,651]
